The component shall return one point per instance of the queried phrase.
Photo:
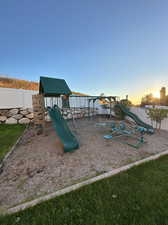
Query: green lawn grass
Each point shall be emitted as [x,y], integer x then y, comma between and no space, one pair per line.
[8,136]
[138,196]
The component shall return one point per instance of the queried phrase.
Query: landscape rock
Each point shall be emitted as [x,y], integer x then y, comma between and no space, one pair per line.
[47,118]
[30,110]
[76,112]
[69,116]
[13,112]
[3,112]
[24,112]
[30,116]
[11,120]
[22,109]
[18,116]
[24,121]
[3,118]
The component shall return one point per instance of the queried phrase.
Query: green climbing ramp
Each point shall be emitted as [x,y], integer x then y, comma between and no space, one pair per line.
[68,140]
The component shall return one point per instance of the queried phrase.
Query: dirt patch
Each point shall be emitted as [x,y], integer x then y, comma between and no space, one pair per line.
[38,166]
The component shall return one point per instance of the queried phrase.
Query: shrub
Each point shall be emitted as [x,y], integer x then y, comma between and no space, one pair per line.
[157,115]
[118,112]
[127,103]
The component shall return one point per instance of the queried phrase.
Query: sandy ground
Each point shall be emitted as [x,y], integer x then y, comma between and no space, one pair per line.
[37,166]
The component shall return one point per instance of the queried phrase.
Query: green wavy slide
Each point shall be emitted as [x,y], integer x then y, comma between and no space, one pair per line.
[137,120]
[60,125]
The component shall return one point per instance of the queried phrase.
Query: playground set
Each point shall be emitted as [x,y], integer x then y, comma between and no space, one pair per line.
[68,122]
[56,97]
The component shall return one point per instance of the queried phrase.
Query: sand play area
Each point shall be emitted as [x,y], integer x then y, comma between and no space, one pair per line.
[38,167]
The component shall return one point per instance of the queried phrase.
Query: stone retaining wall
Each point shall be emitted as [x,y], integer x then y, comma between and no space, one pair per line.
[75,113]
[17,115]
[25,116]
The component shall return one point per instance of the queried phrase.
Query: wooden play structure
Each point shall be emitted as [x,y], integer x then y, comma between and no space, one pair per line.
[51,87]
[57,91]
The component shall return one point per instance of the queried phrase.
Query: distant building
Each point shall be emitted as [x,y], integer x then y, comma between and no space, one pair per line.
[163,97]
[162,93]
[149,99]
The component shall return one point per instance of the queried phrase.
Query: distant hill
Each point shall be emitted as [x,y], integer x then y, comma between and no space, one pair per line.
[18,84]
[6,82]
[78,93]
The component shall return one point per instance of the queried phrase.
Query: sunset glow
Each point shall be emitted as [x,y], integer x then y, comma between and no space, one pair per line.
[156,94]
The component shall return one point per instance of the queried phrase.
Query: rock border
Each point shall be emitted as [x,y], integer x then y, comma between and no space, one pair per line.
[79,185]
[26,115]
[16,115]
[11,150]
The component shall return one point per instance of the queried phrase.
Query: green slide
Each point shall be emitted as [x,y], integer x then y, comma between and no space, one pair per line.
[60,125]
[138,121]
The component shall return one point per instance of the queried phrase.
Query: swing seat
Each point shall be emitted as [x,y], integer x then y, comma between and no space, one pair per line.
[122,126]
[141,129]
[115,129]
[108,137]
[128,132]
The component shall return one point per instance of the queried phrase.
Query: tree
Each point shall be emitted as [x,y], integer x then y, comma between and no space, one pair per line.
[157,115]
[147,99]
[118,112]
[126,103]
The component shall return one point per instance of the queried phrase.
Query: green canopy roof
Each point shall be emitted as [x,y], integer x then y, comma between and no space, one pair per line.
[51,87]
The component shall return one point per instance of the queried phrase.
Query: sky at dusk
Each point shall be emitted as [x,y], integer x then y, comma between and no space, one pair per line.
[116,47]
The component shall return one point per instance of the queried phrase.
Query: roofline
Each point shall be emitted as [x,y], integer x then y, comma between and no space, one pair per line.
[95,96]
[52,78]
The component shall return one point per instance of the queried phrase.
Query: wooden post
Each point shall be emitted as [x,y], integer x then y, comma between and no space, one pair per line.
[110,109]
[39,113]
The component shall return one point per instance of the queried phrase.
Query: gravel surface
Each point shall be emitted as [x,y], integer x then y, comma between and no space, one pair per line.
[38,165]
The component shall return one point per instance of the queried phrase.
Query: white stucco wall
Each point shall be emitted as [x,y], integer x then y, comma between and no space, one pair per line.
[143,116]
[15,98]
